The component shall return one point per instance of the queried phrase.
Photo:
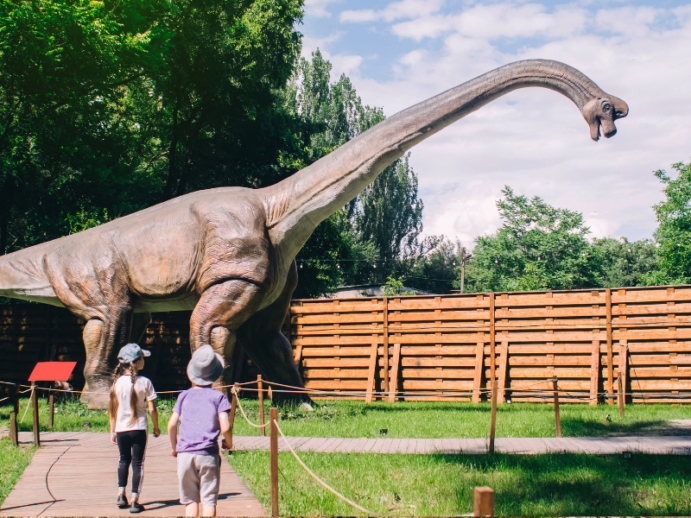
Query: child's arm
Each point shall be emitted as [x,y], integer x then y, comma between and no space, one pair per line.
[224,420]
[173,432]
[113,436]
[154,416]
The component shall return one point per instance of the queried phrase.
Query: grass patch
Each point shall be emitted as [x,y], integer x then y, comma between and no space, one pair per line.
[13,462]
[433,420]
[442,485]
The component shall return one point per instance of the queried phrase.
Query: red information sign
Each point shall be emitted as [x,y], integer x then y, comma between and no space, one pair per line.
[52,371]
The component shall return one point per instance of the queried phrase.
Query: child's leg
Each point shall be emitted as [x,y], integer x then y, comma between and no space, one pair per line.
[188,480]
[139,438]
[125,447]
[209,482]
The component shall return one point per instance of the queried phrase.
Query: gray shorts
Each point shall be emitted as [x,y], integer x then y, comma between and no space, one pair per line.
[200,478]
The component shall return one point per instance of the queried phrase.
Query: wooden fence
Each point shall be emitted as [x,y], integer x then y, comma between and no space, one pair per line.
[428,347]
[453,346]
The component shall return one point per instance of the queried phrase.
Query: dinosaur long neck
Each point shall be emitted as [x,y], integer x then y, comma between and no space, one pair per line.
[298,204]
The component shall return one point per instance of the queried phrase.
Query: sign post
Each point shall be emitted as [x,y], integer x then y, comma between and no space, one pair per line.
[47,371]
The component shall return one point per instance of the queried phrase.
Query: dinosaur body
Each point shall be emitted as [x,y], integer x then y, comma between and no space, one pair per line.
[228,253]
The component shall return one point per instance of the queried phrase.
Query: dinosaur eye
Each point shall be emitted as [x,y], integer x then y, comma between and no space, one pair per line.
[606,107]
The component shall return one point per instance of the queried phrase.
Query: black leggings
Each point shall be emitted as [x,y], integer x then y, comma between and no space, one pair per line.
[132,446]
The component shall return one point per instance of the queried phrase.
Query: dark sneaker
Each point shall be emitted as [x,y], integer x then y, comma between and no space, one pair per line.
[136,508]
[121,501]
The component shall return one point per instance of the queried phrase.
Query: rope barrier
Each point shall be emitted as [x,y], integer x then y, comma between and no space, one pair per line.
[339,495]
[245,415]
[27,405]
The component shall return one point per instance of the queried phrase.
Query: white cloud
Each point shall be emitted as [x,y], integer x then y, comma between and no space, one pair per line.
[536,140]
[348,64]
[393,11]
[317,8]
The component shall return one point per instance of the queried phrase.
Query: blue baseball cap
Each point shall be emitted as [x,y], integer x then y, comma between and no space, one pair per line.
[130,353]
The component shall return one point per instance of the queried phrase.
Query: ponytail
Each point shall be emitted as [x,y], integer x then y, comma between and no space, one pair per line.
[114,403]
[133,394]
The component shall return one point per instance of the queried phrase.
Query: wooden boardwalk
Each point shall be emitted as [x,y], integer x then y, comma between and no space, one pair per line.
[676,445]
[75,475]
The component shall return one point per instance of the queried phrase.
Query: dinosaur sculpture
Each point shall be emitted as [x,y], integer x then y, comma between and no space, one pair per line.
[229,253]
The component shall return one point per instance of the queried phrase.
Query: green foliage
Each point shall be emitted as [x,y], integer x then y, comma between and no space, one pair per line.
[674,229]
[540,247]
[625,263]
[119,105]
[394,287]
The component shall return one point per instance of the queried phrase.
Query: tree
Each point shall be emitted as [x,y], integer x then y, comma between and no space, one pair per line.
[538,247]
[118,105]
[625,263]
[674,229]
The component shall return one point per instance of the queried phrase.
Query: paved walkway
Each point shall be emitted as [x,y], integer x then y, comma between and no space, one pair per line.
[678,445]
[74,475]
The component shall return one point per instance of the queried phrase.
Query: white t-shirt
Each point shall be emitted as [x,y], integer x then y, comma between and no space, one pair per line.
[145,392]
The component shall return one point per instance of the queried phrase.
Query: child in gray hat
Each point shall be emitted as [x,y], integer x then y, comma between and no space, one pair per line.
[202,413]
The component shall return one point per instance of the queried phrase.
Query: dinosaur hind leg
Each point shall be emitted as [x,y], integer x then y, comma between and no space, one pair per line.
[269,349]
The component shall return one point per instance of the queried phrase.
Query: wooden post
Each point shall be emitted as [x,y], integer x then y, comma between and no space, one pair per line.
[492,352]
[620,393]
[14,429]
[483,502]
[51,409]
[34,403]
[610,364]
[233,409]
[595,373]
[557,420]
[493,422]
[273,416]
[260,394]
[385,388]
[270,393]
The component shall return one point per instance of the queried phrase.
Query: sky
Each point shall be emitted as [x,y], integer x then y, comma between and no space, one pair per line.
[535,140]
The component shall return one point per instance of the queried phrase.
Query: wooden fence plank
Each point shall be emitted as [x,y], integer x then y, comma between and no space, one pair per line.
[610,367]
[477,379]
[394,371]
[371,372]
[595,373]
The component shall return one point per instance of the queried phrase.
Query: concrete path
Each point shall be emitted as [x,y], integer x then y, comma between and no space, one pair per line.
[74,474]
[677,445]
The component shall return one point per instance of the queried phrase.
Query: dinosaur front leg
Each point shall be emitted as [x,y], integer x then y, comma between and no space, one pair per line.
[221,310]
[102,340]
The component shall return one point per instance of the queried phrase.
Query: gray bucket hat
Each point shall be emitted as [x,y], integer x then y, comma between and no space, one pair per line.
[206,366]
[130,353]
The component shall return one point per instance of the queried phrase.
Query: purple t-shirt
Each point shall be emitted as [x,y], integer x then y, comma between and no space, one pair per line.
[198,409]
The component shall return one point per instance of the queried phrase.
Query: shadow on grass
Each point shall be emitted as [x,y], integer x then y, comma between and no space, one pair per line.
[579,427]
[573,484]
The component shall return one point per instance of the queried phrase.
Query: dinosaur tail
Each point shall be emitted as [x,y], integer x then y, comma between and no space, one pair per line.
[22,277]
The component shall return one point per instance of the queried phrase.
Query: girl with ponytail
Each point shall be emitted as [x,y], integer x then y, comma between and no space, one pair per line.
[130,396]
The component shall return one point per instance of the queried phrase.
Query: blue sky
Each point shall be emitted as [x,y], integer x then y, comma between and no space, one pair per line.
[400,53]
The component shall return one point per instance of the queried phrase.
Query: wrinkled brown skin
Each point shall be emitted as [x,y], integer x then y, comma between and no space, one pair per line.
[228,253]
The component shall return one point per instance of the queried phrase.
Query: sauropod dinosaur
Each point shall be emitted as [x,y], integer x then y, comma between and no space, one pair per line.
[229,253]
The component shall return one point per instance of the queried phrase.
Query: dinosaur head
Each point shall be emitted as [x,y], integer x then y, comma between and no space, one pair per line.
[602,110]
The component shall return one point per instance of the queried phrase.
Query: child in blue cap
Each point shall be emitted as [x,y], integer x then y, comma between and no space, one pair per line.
[129,397]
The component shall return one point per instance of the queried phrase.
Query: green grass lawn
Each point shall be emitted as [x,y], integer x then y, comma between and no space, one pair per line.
[401,419]
[442,485]
[13,462]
